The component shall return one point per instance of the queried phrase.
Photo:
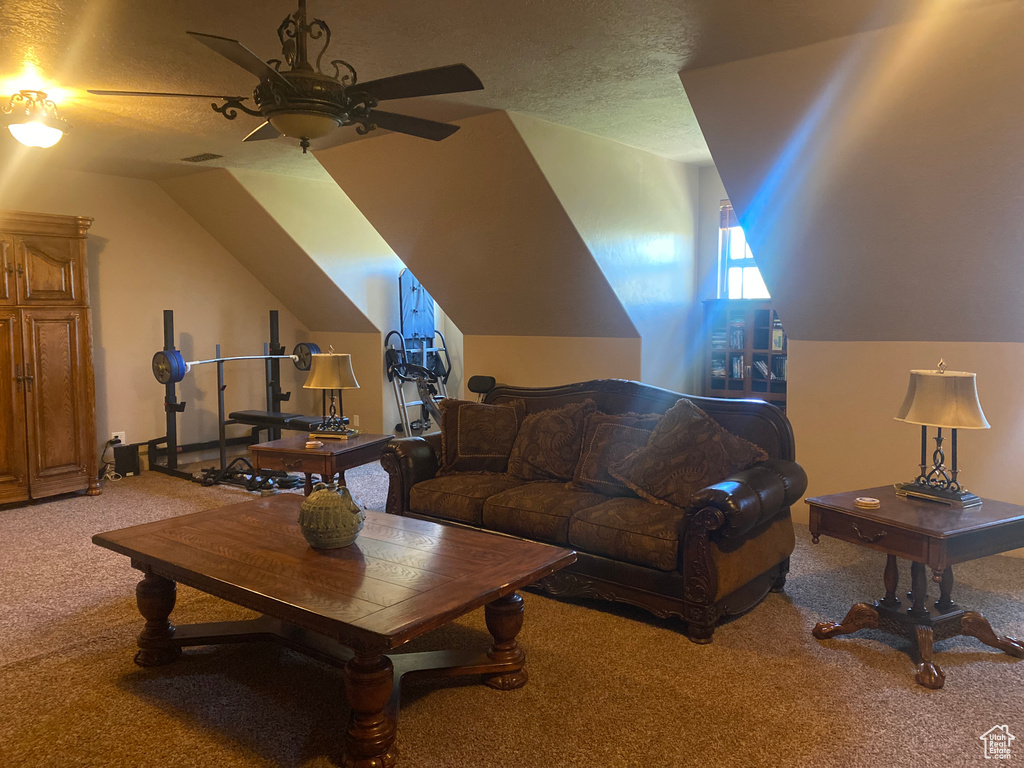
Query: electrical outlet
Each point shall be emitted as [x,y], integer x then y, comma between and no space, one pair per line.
[355,421]
[118,437]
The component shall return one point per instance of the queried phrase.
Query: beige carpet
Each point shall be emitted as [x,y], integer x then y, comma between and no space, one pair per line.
[608,686]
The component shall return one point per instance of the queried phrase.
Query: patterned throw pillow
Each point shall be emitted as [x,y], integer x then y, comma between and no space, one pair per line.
[549,442]
[688,451]
[607,440]
[476,437]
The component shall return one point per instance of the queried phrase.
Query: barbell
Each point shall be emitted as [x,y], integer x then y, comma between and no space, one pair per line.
[170,367]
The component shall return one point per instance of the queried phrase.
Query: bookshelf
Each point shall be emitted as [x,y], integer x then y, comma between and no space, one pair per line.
[746,352]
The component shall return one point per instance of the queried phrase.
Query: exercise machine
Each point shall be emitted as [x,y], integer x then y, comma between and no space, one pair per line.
[417,355]
[170,368]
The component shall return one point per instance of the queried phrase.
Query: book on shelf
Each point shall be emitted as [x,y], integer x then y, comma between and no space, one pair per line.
[737,367]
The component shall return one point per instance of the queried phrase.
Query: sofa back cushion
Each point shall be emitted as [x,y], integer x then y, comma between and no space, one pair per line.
[607,440]
[476,437]
[549,443]
[687,451]
[756,421]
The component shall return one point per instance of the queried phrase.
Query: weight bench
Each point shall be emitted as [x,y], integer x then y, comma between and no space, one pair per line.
[269,420]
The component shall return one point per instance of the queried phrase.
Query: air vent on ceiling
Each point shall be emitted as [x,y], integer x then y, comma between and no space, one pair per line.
[201,158]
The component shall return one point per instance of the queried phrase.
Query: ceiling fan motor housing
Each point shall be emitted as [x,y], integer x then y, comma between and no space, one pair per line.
[313,106]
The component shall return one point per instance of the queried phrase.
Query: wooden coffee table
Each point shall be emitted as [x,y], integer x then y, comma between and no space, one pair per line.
[347,607]
[930,535]
[332,458]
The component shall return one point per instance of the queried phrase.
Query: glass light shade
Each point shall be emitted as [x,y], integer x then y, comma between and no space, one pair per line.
[943,399]
[331,371]
[303,125]
[35,134]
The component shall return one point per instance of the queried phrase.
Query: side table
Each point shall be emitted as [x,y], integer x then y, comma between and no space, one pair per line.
[930,535]
[333,457]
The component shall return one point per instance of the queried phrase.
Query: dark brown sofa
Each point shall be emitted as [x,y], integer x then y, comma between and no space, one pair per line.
[715,559]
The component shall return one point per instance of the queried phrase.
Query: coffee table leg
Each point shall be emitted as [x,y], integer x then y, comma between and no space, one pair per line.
[860,616]
[928,673]
[974,624]
[504,619]
[308,487]
[370,740]
[155,597]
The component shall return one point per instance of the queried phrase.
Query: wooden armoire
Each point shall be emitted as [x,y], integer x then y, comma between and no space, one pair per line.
[47,393]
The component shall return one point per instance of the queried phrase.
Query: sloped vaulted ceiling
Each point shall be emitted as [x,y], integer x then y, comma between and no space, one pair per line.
[229,212]
[477,222]
[880,176]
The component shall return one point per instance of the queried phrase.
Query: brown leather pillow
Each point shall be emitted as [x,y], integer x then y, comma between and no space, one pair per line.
[607,439]
[476,437]
[688,450]
[549,442]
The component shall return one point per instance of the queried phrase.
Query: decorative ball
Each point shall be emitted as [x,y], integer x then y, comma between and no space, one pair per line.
[330,519]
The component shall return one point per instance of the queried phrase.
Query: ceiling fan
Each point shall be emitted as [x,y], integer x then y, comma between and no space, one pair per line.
[306,103]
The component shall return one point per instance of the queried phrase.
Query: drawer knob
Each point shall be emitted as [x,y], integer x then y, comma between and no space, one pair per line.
[292,465]
[869,539]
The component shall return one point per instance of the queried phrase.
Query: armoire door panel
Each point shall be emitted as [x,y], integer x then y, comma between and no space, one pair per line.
[13,459]
[53,360]
[8,270]
[50,271]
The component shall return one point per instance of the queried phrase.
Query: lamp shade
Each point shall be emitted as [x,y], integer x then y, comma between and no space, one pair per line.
[331,371]
[943,399]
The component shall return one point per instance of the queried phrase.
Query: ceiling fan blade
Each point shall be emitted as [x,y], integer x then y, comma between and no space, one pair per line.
[265,131]
[414,126]
[234,51]
[454,78]
[175,95]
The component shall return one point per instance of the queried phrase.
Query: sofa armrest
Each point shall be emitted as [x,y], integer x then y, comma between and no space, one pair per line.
[751,497]
[407,460]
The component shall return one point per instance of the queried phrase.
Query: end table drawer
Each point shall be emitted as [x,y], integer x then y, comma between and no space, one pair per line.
[289,463]
[868,533]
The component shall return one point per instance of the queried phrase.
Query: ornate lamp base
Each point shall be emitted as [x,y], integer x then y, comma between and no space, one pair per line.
[960,499]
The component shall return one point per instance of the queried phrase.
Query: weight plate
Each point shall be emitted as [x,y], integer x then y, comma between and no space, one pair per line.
[168,366]
[304,352]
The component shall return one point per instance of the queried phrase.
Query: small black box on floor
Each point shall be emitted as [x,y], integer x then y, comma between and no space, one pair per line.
[126,460]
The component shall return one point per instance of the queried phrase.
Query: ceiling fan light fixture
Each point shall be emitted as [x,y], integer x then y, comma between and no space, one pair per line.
[303,125]
[32,119]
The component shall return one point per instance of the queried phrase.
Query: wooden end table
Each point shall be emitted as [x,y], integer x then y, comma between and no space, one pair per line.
[348,607]
[930,535]
[332,458]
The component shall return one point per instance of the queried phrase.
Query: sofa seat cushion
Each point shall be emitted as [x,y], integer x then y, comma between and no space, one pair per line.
[629,529]
[539,511]
[458,497]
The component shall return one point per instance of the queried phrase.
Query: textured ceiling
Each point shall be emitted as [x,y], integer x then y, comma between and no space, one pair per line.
[606,67]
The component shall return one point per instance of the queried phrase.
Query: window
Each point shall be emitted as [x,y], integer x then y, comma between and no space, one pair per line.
[738,276]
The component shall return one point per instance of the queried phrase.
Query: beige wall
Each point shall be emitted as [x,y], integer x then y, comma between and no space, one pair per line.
[637,214]
[543,361]
[146,255]
[712,193]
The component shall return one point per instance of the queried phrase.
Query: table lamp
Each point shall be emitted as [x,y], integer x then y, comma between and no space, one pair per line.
[331,373]
[941,399]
